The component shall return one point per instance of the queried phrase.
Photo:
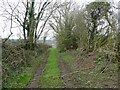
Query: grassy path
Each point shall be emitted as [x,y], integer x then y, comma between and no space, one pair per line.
[50,78]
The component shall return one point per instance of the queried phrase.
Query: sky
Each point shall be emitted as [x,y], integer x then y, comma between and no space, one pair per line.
[4,31]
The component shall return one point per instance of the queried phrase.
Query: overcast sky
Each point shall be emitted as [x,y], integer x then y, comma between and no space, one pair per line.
[16,33]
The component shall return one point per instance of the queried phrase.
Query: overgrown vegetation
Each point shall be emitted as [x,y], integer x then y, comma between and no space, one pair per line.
[85,28]
[19,64]
[65,56]
[88,44]
[88,70]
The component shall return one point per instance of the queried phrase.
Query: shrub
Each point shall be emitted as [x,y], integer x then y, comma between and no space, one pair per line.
[15,58]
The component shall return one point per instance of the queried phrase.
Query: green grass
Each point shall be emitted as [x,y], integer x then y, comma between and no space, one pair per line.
[18,81]
[22,79]
[66,57]
[51,75]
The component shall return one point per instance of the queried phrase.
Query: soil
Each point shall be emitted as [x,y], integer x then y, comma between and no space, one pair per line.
[34,83]
[70,70]
[87,62]
[69,79]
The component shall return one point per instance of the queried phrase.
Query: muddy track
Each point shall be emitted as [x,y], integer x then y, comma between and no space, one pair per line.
[34,83]
[68,68]
[70,80]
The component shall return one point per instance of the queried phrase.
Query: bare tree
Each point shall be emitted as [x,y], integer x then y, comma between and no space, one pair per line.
[11,20]
[32,18]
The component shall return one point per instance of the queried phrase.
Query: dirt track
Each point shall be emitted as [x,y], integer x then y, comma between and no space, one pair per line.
[34,83]
[68,70]
[70,80]
[71,73]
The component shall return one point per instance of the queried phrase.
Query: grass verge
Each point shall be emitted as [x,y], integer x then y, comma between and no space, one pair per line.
[22,79]
[92,78]
[50,78]
[66,57]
